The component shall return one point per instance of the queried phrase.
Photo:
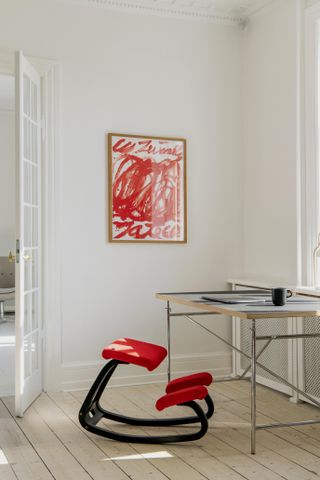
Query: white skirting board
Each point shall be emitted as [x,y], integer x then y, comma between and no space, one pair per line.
[79,376]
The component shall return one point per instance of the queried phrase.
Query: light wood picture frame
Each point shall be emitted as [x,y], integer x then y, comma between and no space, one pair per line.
[147,189]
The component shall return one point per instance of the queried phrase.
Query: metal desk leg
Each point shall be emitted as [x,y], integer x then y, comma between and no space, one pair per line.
[168,341]
[253,387]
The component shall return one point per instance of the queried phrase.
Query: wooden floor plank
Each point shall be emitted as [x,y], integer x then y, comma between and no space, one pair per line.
[172,466]
[60,462]
[267,456]
[223,453]
[6,473]
[50,443]
[292,443]
[18,452]
[122,454]
[89,456]
[273,441]
[277,408]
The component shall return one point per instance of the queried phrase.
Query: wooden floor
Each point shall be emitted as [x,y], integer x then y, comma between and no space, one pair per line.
[49,442]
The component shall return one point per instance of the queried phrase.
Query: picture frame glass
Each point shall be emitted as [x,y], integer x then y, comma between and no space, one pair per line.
[147,188]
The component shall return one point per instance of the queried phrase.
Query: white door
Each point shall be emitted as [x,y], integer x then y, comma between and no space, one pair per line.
[28,234]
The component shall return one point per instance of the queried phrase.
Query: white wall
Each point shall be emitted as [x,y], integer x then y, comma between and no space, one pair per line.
[140,75]
[7,166]
[270,154]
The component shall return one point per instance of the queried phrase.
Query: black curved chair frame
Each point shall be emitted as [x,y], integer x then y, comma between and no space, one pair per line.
[91,413]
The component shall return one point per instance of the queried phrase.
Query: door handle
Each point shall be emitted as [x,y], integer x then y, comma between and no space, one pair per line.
[11,257]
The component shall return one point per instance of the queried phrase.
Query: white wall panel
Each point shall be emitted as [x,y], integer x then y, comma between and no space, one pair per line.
[140,75]
[270,143]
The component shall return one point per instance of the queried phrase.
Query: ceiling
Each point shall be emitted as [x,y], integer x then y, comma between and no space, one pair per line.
[221,11]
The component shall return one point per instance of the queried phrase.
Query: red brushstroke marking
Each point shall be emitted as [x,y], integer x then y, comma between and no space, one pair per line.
[146,193]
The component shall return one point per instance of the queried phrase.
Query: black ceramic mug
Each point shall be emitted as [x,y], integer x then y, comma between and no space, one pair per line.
[280,295]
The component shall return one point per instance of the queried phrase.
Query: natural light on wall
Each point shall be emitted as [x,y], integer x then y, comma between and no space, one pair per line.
[310,160]
[316,251]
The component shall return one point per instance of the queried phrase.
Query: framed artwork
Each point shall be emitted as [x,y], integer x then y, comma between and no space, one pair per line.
[147,189]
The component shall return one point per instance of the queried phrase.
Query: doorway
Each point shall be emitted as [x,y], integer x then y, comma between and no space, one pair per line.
[33,130]
[7,235]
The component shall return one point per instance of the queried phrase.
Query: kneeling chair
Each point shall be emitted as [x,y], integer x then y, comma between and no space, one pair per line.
[181,391]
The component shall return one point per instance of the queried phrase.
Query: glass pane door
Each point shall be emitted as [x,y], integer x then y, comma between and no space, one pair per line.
[28,221]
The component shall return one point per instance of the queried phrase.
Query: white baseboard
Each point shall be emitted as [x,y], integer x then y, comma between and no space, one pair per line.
[79,376]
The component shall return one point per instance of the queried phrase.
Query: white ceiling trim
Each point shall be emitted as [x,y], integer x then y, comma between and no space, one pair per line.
[234,12]
[176,8]
[256,8]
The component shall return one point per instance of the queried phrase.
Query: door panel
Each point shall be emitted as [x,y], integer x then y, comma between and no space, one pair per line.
[28,222]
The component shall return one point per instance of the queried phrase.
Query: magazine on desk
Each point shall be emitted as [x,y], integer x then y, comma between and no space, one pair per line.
[242,298]
[236,298]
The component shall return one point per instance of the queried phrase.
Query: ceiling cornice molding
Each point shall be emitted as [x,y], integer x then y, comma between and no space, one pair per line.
[175,10]
[264,4]
[229,12]
[258,8]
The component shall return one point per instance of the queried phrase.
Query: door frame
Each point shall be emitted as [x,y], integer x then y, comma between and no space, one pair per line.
[49,71]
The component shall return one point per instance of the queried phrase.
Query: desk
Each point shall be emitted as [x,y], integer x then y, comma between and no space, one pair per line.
[251,313]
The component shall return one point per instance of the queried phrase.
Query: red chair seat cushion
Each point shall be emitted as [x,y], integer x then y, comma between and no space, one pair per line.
[136,352]
[203,378]
[182,396]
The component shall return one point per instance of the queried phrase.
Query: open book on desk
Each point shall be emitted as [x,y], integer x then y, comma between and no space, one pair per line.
[236,298]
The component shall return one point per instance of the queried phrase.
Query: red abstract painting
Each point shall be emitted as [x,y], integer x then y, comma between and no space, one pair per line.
[147,197]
